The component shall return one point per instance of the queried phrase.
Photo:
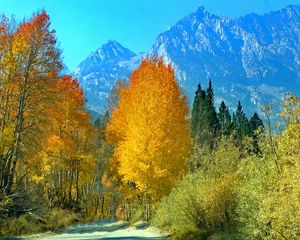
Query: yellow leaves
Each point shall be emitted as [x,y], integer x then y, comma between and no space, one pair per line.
[150,129]
[270,199]
[289,141]
[281,208]
[6,138]
[37,179]
[46,139]
[291,109]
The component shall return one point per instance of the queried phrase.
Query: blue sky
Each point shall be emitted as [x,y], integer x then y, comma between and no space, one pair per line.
[82,26]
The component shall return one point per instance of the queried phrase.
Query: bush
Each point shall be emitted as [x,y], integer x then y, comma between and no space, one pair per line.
[190,234]
[199,203]
[59,218]
[269,202]
[138,214]
[225,236]
[18,226]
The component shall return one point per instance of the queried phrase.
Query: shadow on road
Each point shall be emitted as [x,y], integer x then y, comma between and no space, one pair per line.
[95,227]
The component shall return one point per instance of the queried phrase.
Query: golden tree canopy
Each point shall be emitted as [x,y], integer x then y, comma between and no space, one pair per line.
[150,129]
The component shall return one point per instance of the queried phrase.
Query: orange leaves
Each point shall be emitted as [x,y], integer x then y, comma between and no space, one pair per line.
[56,141]
[46,132]
[72,103]
[150,129]
[37,29]
[72,89]
[72,134]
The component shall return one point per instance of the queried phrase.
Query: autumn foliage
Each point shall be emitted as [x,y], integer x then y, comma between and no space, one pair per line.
[150,129]
[47,142]
[239,180]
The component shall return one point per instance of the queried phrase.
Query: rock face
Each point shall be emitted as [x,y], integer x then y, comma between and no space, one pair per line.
[255,58]
[99,71]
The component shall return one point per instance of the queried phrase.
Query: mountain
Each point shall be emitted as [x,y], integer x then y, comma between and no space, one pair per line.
[255,58]
[99,71]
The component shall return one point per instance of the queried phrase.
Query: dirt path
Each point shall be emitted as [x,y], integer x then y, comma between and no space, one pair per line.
[107,231]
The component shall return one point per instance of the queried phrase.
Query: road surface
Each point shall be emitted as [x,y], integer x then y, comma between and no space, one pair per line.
[103,231]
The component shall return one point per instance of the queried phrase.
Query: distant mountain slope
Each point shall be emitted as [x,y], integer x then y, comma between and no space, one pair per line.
[255,58]
[99,71]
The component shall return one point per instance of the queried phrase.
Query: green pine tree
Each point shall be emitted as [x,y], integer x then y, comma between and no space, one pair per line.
[224,119]
[196,110]
[205,124]
[212,118]
[255,122]
[241,123]
[256,127]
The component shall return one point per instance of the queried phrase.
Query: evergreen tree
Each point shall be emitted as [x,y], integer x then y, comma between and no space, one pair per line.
[241,123]
[212,118]
[224,119]
[245,127]
[234,123]
[205,124]
[255,124]
[210,94]
[196,110]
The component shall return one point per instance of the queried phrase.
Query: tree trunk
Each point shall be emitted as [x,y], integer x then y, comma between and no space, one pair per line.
[147,213]
[70,188]
[77,186]
[102,206]
[127,210]
[19,127]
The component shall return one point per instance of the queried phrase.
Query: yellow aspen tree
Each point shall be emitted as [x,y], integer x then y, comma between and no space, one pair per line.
[150,129]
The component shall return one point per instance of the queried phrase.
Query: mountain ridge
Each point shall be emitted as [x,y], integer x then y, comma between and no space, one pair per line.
[241,55]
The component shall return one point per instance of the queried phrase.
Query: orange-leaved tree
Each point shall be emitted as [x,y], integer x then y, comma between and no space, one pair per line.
[69,165]
[30,64]
[150,130]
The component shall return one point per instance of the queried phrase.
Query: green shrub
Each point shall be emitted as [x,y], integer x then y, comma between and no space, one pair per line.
[18,226]
[190,234]
[59,218]
[201,203]
[225,236]
[269,200]
[138,214]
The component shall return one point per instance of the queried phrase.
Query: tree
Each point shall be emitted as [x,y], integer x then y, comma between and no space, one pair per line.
[256,127]
[31,65]
[241,123]
[151,133]
[255,122]
[48,151]
[114,96]
[224,119]
[211,110]
[199,97]
[205,125]
[69,156]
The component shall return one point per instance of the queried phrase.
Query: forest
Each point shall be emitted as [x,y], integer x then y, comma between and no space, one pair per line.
[199,172]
